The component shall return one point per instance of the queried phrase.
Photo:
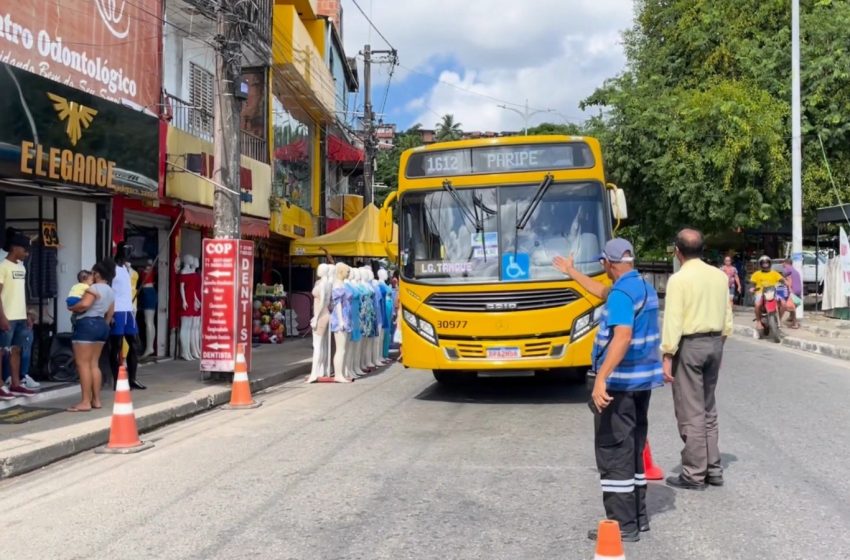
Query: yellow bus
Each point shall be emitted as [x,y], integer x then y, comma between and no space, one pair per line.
[479,224]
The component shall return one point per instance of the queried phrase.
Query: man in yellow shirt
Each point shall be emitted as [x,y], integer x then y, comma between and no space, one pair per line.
[763,278]
[697,320]
[13,310]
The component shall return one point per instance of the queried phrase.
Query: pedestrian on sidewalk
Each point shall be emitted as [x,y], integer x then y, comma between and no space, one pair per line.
[26,357]
[91,331]
[626,367]
[13,310]
[734,280]
[795,288]
[124,325]
[697,320]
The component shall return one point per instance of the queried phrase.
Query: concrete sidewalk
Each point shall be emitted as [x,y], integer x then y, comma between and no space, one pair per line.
[175,391]
[817,334]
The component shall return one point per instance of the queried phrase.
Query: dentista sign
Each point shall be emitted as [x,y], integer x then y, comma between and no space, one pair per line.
[106,48]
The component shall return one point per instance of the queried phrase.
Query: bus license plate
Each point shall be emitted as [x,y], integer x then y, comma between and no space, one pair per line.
[503,353]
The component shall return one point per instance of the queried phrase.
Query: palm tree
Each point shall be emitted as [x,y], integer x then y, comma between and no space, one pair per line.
[448,129]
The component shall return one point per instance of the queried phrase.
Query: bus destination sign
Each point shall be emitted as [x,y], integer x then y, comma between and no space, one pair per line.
[499,159]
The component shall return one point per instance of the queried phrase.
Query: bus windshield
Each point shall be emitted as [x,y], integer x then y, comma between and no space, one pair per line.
[474,235]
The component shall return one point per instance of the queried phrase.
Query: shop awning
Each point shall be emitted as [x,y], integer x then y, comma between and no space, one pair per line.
[357,238]
[202,216]
[340,151]
[294,151]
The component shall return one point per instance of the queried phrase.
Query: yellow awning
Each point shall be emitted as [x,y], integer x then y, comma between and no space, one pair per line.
[357,238]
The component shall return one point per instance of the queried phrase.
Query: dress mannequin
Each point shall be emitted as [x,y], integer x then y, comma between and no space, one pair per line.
[367,313]
[319,323]
[148,303]
[340,321]
[195,341]
[378,330]
[388,314]
[353,357]
[190,306]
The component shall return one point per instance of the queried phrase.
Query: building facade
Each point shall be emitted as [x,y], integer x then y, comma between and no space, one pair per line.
[75,79]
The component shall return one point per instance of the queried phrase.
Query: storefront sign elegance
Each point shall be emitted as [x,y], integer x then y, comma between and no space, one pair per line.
[51,133]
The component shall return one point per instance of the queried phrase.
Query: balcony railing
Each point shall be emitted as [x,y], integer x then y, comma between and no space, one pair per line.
[254,147]
[191,119]
[200,123]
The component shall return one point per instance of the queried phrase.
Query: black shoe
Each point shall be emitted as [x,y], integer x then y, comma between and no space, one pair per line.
[137,385]
[634,536]
[715,480]
[644,528]
[682,484]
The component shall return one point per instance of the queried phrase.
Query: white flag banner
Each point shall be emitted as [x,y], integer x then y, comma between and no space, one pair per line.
[844,247]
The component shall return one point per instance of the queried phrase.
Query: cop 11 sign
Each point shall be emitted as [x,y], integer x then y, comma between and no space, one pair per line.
[226,294]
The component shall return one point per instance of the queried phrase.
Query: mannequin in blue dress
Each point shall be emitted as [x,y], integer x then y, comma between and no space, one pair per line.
[353,356]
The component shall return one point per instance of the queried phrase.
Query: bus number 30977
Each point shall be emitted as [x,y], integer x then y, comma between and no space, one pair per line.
[451,324]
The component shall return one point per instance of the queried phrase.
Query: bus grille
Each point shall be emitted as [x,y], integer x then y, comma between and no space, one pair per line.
[482,302]
[473,350]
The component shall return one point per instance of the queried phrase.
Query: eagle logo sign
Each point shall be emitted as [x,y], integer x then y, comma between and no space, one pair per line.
[78,116]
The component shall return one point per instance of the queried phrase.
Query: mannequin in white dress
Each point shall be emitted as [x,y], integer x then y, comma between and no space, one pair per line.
[196,320]
[188,307]
[319,323]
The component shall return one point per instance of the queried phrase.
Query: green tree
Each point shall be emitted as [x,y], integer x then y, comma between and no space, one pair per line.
[449,129]
[697,127]
[552,128]
[386,171]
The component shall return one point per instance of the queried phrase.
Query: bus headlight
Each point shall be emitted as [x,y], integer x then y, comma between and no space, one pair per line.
[420,325]
[411,319]
[583,324]
[426,329]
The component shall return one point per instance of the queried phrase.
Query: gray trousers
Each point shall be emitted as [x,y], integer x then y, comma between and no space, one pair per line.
[696,368]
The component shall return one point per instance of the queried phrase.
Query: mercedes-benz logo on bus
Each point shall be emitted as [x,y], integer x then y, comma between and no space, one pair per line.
[501,306]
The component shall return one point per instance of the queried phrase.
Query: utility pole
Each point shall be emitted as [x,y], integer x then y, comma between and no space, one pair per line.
[796,146]
[368,171]
[526,115]
[370,142]
[226,139]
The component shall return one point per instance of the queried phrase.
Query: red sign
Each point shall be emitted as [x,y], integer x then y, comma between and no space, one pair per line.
[244,298]
[218,304]
[109,48]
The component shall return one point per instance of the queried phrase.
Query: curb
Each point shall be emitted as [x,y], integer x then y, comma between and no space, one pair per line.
[821,348]
[158,415]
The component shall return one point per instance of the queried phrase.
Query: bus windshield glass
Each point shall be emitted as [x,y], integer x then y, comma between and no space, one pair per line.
[474,235]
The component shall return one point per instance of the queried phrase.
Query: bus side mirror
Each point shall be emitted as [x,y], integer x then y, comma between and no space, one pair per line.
[386,226]
[620,209]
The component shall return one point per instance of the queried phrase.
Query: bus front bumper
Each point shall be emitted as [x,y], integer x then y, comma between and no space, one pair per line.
[515,354]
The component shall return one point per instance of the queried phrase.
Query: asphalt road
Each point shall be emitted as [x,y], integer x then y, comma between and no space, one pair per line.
[395,467]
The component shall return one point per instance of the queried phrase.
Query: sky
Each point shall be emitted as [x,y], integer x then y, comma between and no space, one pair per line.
[467,57]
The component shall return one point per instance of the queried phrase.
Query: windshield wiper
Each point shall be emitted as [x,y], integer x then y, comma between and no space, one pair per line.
[464,208]
[535,202]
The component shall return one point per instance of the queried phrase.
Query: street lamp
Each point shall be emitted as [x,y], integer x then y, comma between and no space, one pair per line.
[526,114]
[796,148]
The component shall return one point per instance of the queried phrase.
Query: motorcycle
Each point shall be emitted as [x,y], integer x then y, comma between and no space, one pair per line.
[770,314]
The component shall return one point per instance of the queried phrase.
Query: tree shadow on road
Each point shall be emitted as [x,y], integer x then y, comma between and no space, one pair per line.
[507,391]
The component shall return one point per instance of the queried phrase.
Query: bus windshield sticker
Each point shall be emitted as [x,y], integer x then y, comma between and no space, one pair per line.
[425,269]
[516,266]
[485,245]
[499,159]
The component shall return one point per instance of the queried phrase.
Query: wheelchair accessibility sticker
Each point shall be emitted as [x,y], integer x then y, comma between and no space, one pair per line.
[516,266]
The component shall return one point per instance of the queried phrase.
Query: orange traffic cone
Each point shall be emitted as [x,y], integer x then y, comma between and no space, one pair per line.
[240,393]
[609,546]
[123,434]
[650,469]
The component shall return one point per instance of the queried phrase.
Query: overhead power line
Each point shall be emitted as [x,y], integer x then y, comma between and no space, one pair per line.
[375,27]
